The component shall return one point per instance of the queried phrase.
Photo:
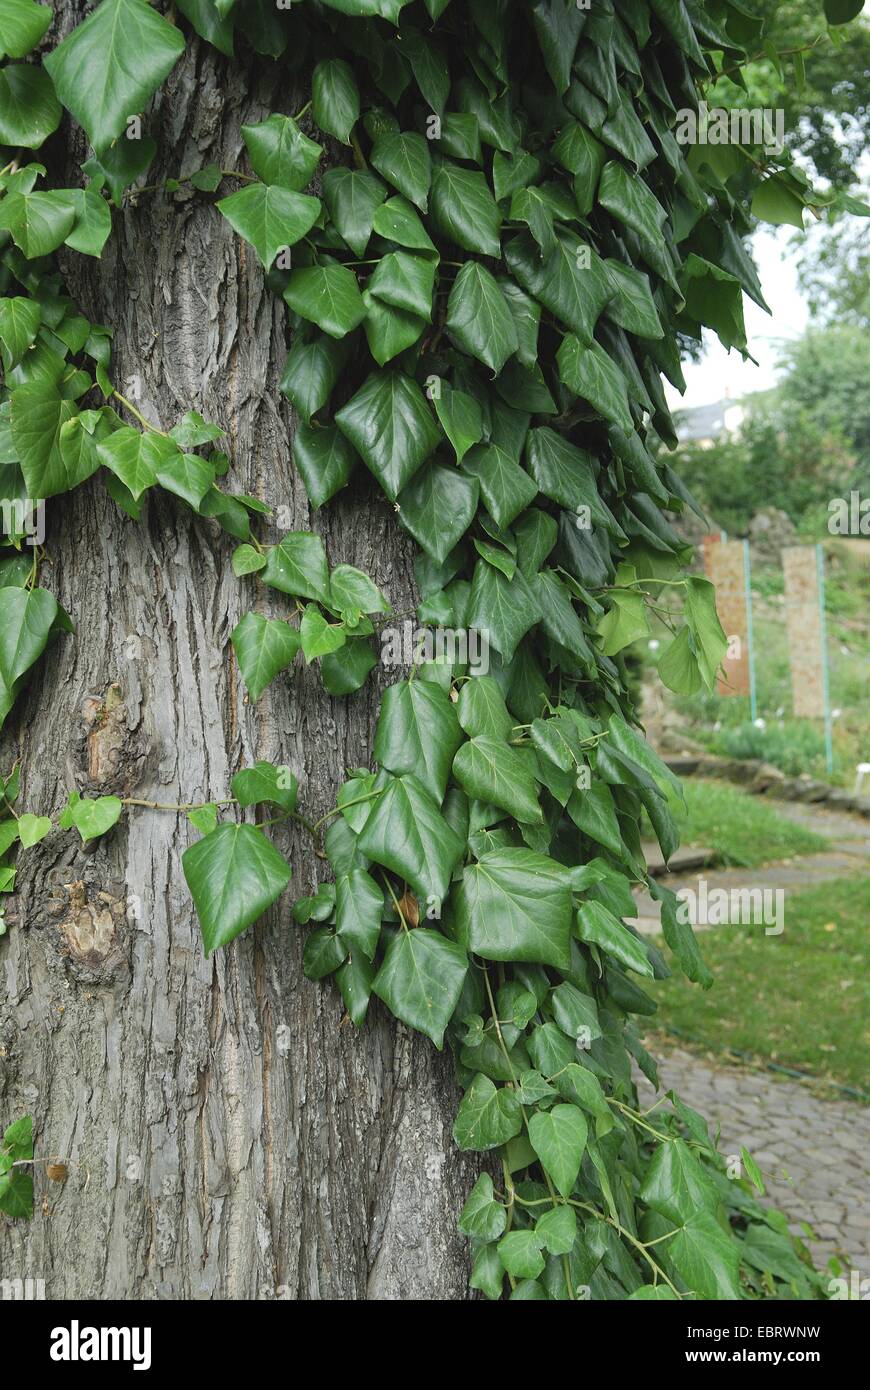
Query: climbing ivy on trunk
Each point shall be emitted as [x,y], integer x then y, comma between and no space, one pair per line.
[483,292]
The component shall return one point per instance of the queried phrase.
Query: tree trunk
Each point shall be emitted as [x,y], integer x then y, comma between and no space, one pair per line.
[228,1133]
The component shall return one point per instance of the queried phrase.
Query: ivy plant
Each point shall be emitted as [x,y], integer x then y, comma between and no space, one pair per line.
[489,244]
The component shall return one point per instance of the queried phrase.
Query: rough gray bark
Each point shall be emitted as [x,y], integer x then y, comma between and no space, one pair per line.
[227,1133]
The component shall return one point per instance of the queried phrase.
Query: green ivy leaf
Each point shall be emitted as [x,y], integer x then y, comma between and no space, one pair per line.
[247,560]
[482,1216]
[90,818]
[270,217]
[558,1137]
[389,331]
[557,1228]
[405,281]
[359,910]
[502,609]
[325,460]
[558,27]
[593,811]
[514,905]
[460,416]
[631,202]
[263,647]
[352,197]
[37,222]
[418,732]
[92,70]
[298,566]
[488,1116]
[571,281]
[406,833]
[186,475]
[391,427]
[596,924]
[623,623]
[335,98]
[93,222]
[437,506]
[355,978]
[676,1184]
[280,153]
[590,373]
[28,618]
[633,306]
[706,1257]
[22,25]
[351,588]
[264,782]
[311,372]
[347,669]
[135,456]
[421,980]
[32,829]
[566,475]
[29,109]
[506,488]
[678,666]
[234,875]
[405,162]
[773,201]
[493,772]
[520,1253]
[19,325]
[16,1194]
[319,636]
[396,221]
[327,295]
[482,709]
[464,210]
[478,318]
[708,638]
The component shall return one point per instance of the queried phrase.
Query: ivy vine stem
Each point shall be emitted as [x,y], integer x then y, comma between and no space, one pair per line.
[146,424]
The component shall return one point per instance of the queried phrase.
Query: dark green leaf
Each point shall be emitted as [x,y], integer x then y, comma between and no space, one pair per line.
[478,318]
[391,427]
[263,647]
[437,507]
[488,1116]
[29,109]
[280,153]
[464,210]
[352,197]
[421,980]
[407,833]
[418,732]
[405,162]
[94,71]
[327,295]
[298,565]
[270,217]
[514,905]
[234,875]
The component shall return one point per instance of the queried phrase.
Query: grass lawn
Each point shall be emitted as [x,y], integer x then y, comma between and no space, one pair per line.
[742,829]
[801,999]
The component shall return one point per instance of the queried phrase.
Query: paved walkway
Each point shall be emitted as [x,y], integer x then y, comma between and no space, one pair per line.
[847,854]
[814,1154]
